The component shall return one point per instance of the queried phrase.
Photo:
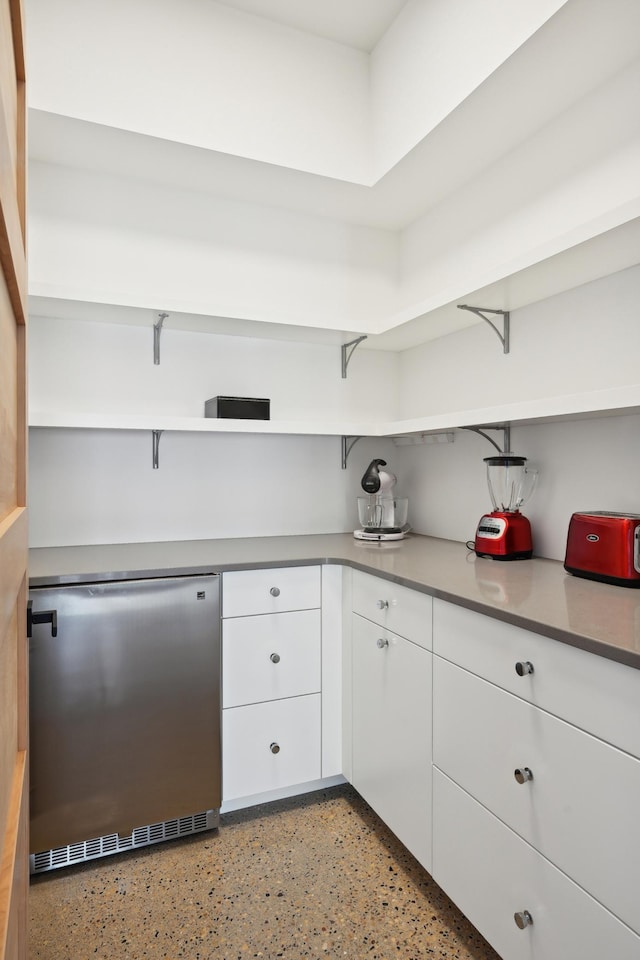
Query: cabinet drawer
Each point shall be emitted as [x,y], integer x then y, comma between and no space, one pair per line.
[248,592]
[592,692]
[393,606]
[270,657]
[580,808]
[250,735]
[491,874]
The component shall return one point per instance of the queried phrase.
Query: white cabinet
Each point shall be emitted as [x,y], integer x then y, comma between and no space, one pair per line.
[271,590]
[393,606]
[271,657]
[272,680]
[579,809]
[493,875]
[598,695]
[391,717]
[267,746]
[559,803]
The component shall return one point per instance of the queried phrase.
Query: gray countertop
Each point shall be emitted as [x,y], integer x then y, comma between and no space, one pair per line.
[535,594]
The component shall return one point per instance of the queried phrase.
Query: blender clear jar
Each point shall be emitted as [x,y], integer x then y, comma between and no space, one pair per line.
[510,481]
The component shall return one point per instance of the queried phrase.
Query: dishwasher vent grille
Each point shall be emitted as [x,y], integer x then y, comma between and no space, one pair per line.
[116,843]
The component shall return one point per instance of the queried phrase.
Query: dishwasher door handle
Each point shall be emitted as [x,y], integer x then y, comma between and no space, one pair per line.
[42,616]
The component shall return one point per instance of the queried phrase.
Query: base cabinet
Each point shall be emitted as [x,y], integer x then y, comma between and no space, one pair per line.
[507,763]
[535,795]
[500,882]
[567,793]
[271,745]
[391,712]
[271,680]
[392,733]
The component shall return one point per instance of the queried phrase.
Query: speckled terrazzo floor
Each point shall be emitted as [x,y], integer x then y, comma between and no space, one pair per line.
[311,877]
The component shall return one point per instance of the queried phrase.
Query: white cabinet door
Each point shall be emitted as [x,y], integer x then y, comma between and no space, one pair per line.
[266,746]
[392,732]
[492,874]
[580,806]
[270,657]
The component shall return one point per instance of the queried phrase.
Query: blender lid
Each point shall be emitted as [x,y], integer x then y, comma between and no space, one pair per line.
[506,460]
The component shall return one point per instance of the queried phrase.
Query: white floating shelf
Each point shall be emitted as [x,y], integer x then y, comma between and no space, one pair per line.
[600,403]
[98,421]
[615,401]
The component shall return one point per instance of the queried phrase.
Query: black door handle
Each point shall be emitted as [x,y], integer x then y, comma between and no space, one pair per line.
[42,616]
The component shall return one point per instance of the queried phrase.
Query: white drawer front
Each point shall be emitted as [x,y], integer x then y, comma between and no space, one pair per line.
[491,874]
[581,807]
[393,606]
[248,592]
[596,694]
[250,735]
[270,657]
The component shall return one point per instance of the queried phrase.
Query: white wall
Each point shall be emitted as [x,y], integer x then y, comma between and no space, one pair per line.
[118,240]
[98,486]
[101,368]
[91,486]
[520,210]
[431,59]
[202,73]
[583,465]
[97,237]
[584,339]
[209,75]
[502,183]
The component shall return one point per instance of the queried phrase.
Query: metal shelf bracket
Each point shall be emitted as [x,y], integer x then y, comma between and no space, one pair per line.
[506,436]
[347,448]
[346,357]
[155,446]
[157,330]
[506,322]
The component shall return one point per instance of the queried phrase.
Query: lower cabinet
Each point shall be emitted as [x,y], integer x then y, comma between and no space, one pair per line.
[527,818]
[567,793]
[271,657]
[271,680]
[391,732]
[524,906]
[270,745]
[535,824]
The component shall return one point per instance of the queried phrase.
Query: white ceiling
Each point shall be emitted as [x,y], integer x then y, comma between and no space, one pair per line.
[357,23]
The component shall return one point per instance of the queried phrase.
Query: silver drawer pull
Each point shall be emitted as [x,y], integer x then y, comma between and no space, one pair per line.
[382,604]
[382,643]
[275,658]
[274,747]
[275,591]
[524,668]
[523,774]
[523,919]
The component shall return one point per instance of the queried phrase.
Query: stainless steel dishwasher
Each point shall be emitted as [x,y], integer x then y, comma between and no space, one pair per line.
[124,715]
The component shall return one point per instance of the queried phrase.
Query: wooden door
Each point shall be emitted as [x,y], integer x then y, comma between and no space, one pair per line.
[14,823]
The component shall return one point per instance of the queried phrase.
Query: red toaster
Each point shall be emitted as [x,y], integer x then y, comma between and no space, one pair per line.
[605,546]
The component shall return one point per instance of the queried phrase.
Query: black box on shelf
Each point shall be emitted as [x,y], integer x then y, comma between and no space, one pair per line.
[238,408]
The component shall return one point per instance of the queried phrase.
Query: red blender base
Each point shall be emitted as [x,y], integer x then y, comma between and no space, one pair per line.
[504,536]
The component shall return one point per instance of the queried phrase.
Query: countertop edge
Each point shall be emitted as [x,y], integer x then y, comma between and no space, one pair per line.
[579,640]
